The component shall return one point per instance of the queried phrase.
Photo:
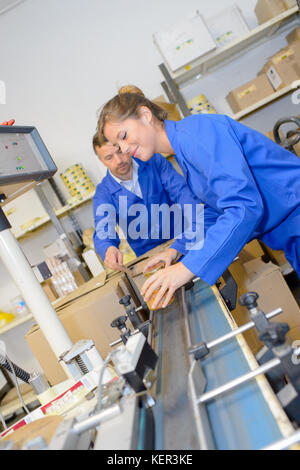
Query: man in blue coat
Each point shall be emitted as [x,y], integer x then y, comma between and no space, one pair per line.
[128,196]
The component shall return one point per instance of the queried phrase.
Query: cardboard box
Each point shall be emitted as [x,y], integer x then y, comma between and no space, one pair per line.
[86,317]
[184,42]
[289,4]
[251,250]
[266,279]
[293,35]
[227,25]
[249,93]
[265,10]
[49,290]
[283,68]
[171,108]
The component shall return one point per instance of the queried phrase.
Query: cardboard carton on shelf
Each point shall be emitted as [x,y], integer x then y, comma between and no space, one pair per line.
[265,10]
[49,290]
[293,35]
[289,4]
[283,68]
[171,108]
[249,93]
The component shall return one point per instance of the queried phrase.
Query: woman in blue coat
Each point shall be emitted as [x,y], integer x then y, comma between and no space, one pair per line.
[250,186]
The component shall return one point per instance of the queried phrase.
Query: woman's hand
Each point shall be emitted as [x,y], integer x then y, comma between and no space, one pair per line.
[113,258]
[167,257]
[167,280]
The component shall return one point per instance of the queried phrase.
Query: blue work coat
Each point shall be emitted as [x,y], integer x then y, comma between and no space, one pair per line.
[250,187]
[160,184]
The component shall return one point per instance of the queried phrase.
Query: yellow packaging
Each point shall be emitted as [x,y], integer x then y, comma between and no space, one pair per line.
[6,318]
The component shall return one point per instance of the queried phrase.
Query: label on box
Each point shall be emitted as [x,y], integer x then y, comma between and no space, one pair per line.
[247,91]
[274,78]
[281,57]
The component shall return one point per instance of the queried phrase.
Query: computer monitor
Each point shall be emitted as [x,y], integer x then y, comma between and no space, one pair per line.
[24,160]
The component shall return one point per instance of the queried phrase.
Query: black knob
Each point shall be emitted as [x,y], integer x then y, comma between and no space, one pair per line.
[249,300]
[119,322]
[125,300]
[275,334]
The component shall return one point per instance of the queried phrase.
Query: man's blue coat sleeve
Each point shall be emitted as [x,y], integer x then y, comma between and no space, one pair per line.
[237,197]
[179,193]
[105,234]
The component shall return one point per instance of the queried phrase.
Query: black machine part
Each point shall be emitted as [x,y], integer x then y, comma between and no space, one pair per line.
[120,323]
[292,136]
[20,373]
[131,311]
[229,290]
[273,335]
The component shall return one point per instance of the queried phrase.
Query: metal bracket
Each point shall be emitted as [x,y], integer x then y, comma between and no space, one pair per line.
[229,291]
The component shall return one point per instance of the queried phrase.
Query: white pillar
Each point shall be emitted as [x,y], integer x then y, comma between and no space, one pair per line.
[33,293]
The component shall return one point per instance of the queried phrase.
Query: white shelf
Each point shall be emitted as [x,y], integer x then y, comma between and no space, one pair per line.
[260,104]
[59,213]
[220,55]
[16,322]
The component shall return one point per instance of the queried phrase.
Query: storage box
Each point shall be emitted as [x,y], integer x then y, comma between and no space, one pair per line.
[249,93]
[251,250]
[284,67]
[86,317]
[289,4]
[227,25]
[265,10]
[171,108]
[293,35]
[184,42]
[49,290]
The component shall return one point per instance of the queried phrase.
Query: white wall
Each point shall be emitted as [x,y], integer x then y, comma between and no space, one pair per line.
[63,59]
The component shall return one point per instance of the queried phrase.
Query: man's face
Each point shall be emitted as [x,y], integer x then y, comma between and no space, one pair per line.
[119,164]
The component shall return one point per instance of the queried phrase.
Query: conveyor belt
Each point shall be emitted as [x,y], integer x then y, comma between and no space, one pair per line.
[240,418]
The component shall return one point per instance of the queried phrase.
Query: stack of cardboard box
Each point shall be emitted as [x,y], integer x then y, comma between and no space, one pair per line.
[265,10]
[281,70]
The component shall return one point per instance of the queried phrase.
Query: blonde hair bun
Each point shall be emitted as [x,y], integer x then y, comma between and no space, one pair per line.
[130,89]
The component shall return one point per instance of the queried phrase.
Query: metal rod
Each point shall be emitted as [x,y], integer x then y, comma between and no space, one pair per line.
[118,341]
[240,380]
[167,91]
[240,330]
[204,431]
[284,443]
[96,419]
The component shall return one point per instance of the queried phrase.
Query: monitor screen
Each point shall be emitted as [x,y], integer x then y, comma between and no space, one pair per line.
[23,156]
[24,160]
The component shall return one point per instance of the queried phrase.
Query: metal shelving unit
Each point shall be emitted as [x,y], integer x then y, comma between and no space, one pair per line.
[224,55]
